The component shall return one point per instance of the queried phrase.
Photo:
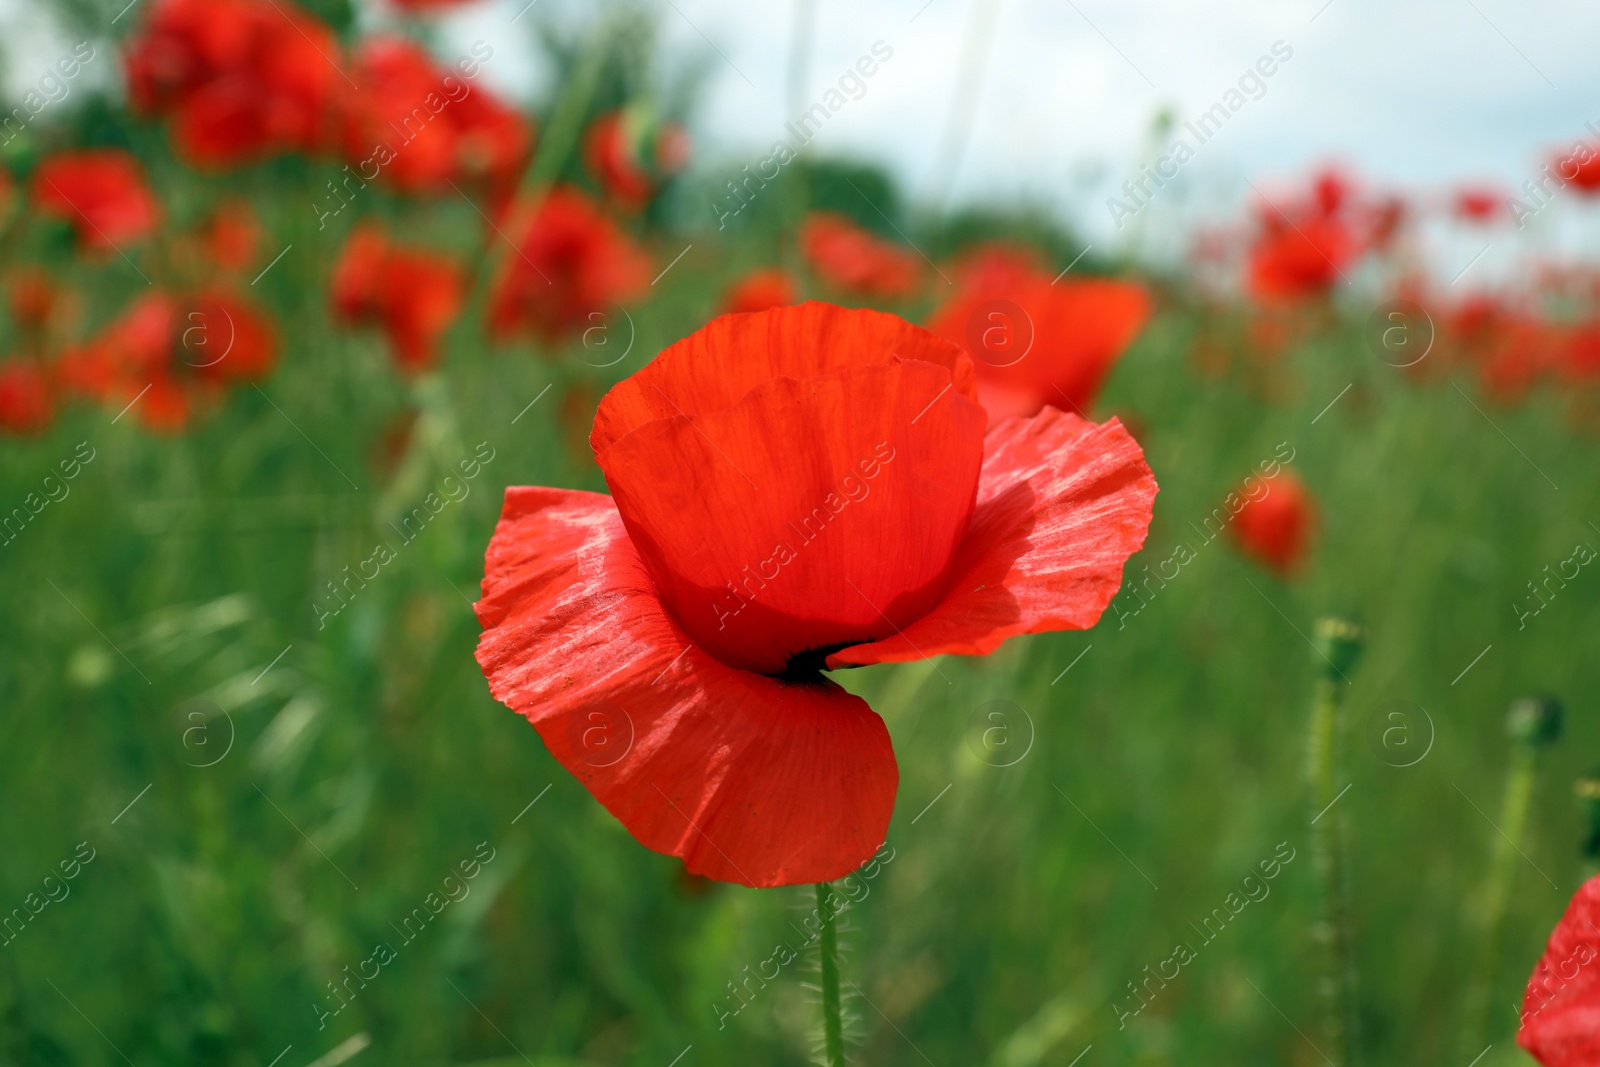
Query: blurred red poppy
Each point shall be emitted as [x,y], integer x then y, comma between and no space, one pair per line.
[168,352]
[794,490]
[27,404]
[1275,527]
[1036,339]
[414,295]
[1561,1007]
[1303,245]
[418,127]
[759,290]
[630,159]
[569,263]
[1477,204]
[856,261]
[1580,168]
[31,297]
[101,191]
[242,79]
[232,235]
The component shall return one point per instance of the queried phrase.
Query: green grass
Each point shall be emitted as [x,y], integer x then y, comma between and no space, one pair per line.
[370,760]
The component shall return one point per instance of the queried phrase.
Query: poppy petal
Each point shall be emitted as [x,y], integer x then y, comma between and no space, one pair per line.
[714,367]
[1561,1007]
[1062,504]
[748,779]
[810,515]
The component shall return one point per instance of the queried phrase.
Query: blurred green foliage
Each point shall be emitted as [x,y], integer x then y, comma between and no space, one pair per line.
[268,800]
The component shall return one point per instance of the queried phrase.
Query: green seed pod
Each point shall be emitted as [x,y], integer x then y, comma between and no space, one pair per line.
[1339,642]
[1534,721]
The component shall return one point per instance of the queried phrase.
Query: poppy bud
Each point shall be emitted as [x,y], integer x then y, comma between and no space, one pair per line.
[1339,643]
[1588,790]
[1534,721]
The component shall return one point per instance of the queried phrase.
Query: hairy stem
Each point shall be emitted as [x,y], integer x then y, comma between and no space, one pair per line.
[1338,976]
[832,1024]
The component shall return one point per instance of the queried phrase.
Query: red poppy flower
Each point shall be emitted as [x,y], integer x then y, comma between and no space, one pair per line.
[1303,245]
[170,352]
[224,338]
[412,294]
[27,405]
[232,235]
[793,491]
[242,79]
[1275,529]
[1479,205]
[1561,1008]
[419,127]
[1582,356]
[759,290]
[629,159]
[850,258]
[1034,339]
[101,191]
[31,297]
[1580,168]
[569,262]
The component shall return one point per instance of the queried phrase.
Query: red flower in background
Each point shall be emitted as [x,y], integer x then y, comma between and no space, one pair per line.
[569,262]
[167,353]
[1479,204]
[101,191]
[1036,340]
[412,294]
[759,290]
[27,404]
[232,235]
[629,160]
[1275,528]
[1561,1008]
[1580,169]
[31,297]
[419,127]
[794,490]
[241,79]
[1302,250]
[856,261]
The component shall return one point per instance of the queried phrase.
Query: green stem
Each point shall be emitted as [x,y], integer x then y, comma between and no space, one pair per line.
[832,1024]
[1497,895]
[1327,845]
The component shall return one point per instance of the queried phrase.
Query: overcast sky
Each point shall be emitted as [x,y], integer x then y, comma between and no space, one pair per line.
[1420,94]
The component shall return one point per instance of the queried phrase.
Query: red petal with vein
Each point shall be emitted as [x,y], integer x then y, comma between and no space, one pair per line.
[1561,1009]
[746,778]
[809,515]
[714,367]
[1062,504]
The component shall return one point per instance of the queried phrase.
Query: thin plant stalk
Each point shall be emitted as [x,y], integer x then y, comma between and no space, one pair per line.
[832,1021]
[1533,723]
[1339,643]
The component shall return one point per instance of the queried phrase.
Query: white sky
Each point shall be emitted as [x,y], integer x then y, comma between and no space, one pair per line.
[1418,94]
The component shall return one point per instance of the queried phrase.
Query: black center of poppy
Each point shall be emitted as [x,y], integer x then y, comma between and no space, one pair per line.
[807,666]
